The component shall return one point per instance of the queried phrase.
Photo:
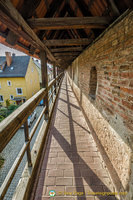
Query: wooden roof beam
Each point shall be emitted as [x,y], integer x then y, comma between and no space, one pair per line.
[66,49]
[114,8]
[67,42]
[83,7]
[68,23]
[17,20]
[51,12]
[66,54]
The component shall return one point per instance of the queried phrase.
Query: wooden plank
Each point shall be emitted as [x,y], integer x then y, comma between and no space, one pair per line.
[67,49]
[13,122]
[67,42]
[66,57]
[68,23]
[11,11]
[66,54]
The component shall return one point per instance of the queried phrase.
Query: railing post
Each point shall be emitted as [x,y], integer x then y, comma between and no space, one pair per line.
[54,76]
[52,96]
[26,132]
[43,58]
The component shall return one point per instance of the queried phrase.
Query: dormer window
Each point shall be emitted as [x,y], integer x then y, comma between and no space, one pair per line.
[9,83]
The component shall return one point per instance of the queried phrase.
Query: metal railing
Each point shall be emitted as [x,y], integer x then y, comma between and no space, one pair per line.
[10,125]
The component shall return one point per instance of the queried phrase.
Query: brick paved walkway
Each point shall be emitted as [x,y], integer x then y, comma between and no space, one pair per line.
[72,166]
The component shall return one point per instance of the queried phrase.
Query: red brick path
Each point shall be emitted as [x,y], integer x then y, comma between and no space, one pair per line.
[72,165]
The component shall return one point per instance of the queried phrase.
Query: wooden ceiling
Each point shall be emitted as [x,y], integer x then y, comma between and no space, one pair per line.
[63,28]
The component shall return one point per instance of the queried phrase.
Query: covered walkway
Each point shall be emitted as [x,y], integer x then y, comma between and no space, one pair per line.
[71,165]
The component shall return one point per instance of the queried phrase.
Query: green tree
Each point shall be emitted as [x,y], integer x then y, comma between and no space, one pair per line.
[7,103]
[1,118]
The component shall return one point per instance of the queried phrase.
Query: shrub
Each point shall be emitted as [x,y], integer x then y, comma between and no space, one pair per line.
[7,103]
[12,107]
[1,118]
[3,112]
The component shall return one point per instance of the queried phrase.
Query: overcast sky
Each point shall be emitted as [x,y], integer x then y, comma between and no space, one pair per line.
[4,48]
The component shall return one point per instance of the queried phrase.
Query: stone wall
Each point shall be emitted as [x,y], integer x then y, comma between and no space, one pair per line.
[111,112]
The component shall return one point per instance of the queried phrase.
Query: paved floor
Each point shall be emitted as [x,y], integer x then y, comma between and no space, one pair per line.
[72,166]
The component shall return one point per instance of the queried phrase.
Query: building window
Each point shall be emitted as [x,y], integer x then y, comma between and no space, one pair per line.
[1,98]
[0,86]
[93,83]
[19,91]
[11,97]
[9,83]
[32,69]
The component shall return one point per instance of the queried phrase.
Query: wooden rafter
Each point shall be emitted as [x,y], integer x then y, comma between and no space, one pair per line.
[67,42]
[83,7]
[21,26]
[70,13]
[66,49]
[68,23]
[51,12]
[16,29]
[114,8]
[28,8]
[53,8]
[66,54]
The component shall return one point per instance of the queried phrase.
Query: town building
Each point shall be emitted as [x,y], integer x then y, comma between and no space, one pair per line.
[84,147]
[19,78]
[38,67]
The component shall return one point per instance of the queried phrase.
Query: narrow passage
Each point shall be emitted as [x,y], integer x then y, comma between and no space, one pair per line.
[72,166]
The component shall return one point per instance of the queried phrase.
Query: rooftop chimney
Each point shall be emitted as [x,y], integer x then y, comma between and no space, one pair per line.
[8,58]
[13,54]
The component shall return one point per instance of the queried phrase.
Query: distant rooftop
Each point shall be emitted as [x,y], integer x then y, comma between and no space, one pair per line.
[38,64]
[17,68]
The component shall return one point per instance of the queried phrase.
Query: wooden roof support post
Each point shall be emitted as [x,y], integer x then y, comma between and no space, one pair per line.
[43,58]
[58,71]
[54,76]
